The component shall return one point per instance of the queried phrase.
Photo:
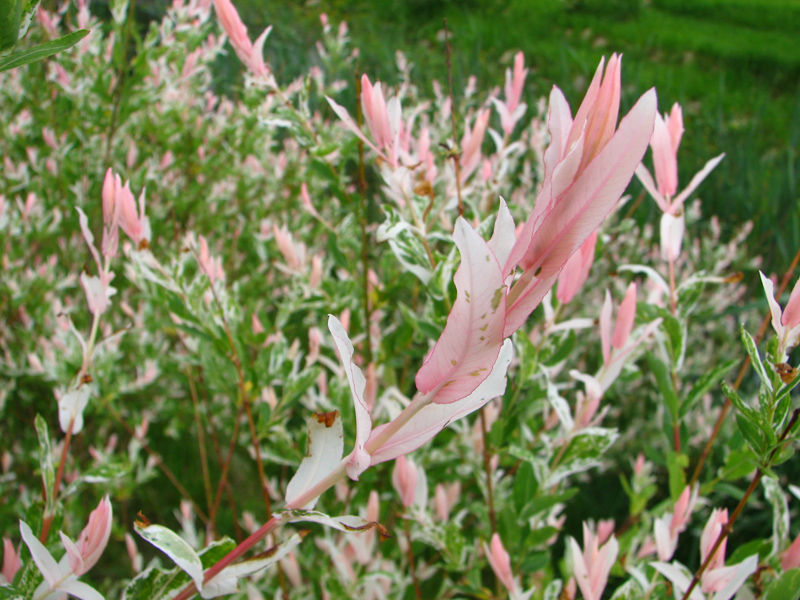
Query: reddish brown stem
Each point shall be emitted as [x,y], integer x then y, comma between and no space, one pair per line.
[190,590]
[226,465]
[48,519]
[410,556]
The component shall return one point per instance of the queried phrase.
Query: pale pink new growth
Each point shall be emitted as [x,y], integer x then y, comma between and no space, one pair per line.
[786,323]
[252,55]
[576,270]
[667,133]
[92,540]
[500,562]
[471,144]
[668,527]
[404,480]
[512,109]
[383,120]
[587,167]
[791,557]
[592,566]
[11,561]
[625,317]
[791,314]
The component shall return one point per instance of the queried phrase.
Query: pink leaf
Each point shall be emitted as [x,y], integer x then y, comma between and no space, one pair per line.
[471,340]
[434,417]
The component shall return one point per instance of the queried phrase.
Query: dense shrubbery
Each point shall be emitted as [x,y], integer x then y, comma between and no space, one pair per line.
[207,299]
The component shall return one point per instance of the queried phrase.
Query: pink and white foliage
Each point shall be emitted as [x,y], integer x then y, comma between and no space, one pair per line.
[667,133]
[721,581]
[512,109]
[410,483]
[786,323]
[587,167]
[92,541]
[251,54]
[433,418]
[62,577]
[501,565]
[576,270]
[669,526]
[471,340]
[11,562]
[97,288]
[592,565]
[383,119]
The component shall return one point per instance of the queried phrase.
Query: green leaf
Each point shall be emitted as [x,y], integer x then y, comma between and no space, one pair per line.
[704,385]
[525,486]
[9,593]
[584,452]
[46,464]
[676,465]
[786,587]
[630,590]
[758,366]
[751,433]
[10,16]
[174,546]
[406,246]
[739,463]
[665,386]
[42,50]
[565,346]
[736,400]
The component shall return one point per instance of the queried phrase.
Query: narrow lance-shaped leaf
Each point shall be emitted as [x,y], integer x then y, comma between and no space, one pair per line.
[325,449]
[46,464]
[359,459]
[174,546]
[468,347]
[42,51]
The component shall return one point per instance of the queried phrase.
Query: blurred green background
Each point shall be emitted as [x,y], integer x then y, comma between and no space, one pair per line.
[734,65]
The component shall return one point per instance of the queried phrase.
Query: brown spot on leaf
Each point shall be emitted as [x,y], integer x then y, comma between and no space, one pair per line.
[383,533]
[424,188]
[327,418]
[786,372]
[735,278]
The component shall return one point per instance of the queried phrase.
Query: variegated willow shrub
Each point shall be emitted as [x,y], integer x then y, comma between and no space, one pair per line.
[206,299]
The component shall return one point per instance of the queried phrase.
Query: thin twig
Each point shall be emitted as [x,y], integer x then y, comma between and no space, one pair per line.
[48,520]
[245,397]
[200,438]
[410,556]
[487,467]
[164,468]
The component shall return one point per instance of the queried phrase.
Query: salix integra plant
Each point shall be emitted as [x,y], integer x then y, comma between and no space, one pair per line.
[314,288]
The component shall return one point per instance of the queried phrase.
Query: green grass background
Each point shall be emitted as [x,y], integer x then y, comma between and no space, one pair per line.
[734,65]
